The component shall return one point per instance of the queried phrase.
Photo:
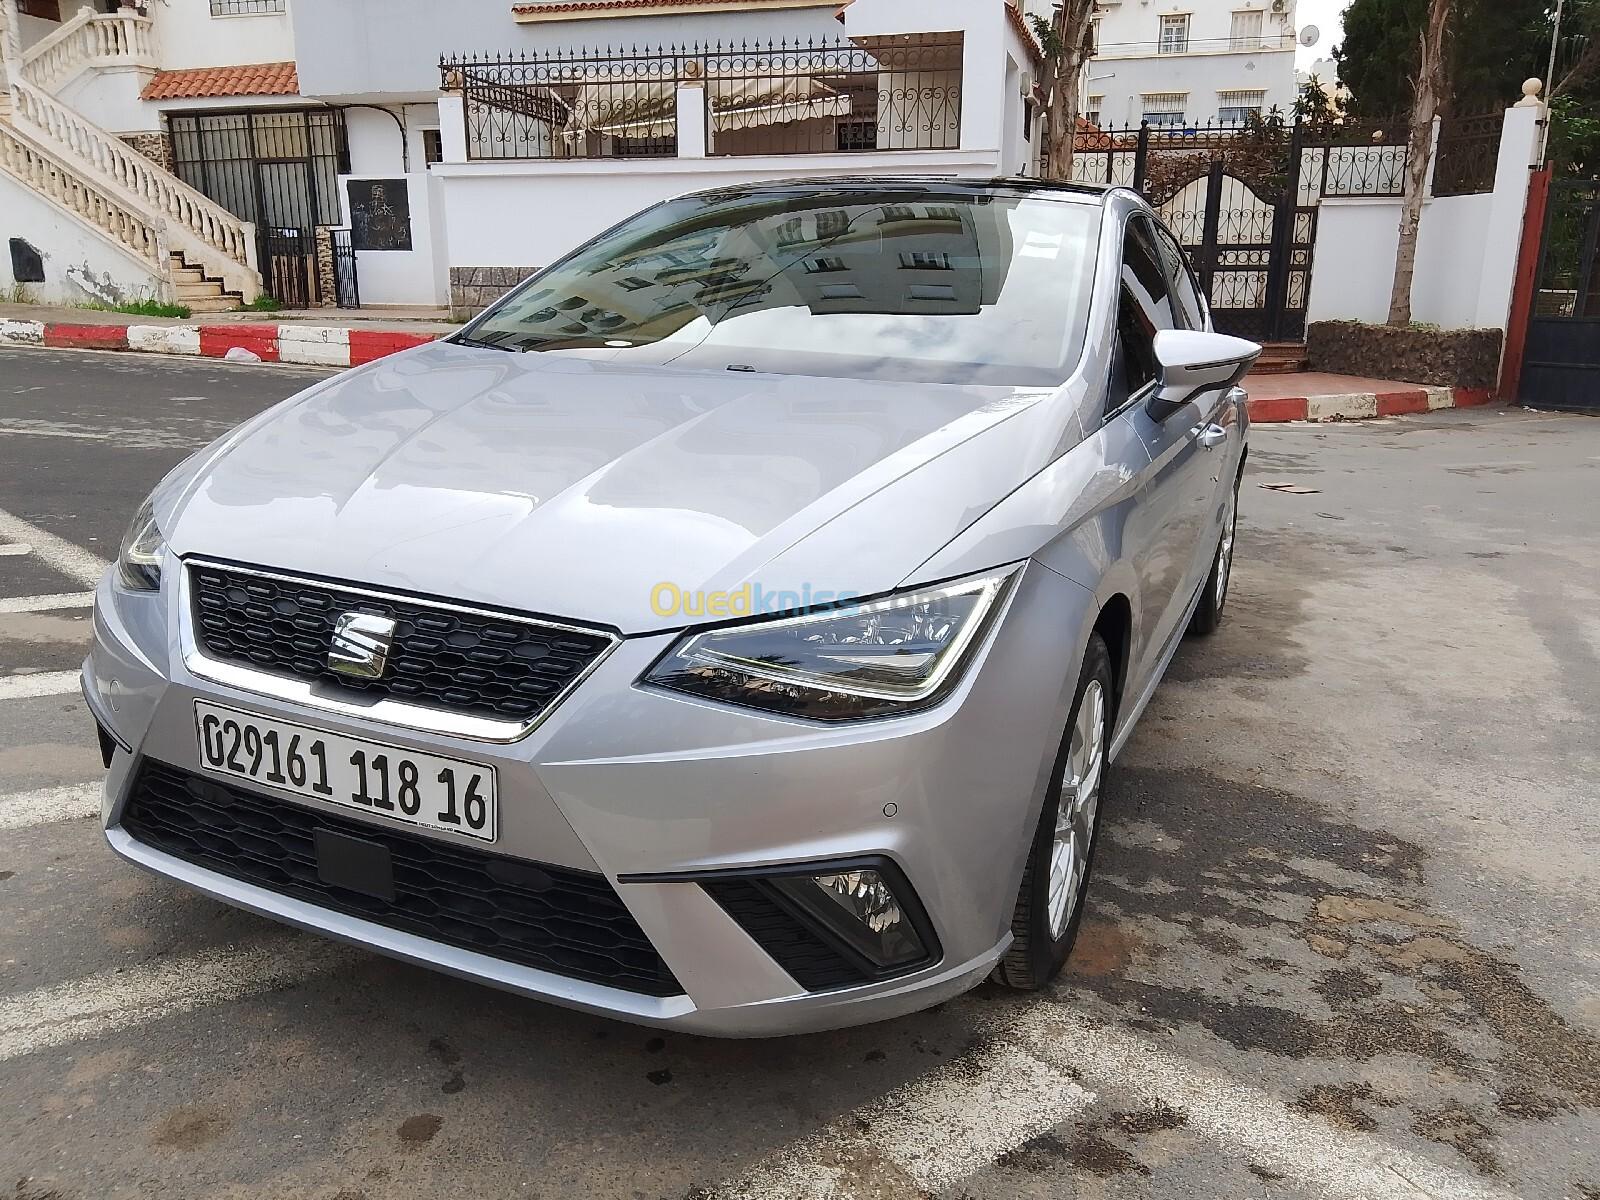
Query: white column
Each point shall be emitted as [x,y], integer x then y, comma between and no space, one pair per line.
[453,127]
[691,120]
[1519,150]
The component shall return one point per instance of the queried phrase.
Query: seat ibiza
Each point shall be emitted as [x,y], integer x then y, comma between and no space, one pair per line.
[729,630]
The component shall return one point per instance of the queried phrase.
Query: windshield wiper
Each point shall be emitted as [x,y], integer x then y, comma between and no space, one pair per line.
[462,339]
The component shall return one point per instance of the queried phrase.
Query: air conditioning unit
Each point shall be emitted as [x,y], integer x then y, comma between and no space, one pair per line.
[1280,6]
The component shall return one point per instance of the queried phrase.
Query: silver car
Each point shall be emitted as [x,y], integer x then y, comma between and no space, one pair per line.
[730,630]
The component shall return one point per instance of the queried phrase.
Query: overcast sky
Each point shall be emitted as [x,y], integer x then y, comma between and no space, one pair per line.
[1325,15]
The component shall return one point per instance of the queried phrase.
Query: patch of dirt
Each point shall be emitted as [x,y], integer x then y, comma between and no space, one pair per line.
[1453,1125]
[1102,948]
[420,1129]
[1340,1104]
[191,1127]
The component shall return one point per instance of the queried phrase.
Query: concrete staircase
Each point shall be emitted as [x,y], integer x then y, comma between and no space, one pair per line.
[197,291]
[1280,358]
[202,255]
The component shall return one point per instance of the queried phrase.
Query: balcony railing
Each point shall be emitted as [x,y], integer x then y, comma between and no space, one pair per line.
[812,97]
[1222,45]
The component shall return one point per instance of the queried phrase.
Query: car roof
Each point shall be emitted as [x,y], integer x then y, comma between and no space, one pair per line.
[1014,185]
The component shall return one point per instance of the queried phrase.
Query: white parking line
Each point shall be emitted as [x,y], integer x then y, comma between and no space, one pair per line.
[935,1131]
[123,999]
[45,683]
[15,550]
[959,1119]
[33,604]
[48,805]
[76,563]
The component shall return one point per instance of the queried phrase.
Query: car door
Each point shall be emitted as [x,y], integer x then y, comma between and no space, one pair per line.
[1173,510]
[1222,435]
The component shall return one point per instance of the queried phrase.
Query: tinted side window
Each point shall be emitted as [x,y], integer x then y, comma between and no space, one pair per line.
[1186,296]
[1145,274]
[1134,358]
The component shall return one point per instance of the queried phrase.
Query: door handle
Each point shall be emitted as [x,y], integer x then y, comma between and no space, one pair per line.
[1212,435]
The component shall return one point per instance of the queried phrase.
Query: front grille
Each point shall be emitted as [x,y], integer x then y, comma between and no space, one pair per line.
[556,919]
[473,663]
[814,964]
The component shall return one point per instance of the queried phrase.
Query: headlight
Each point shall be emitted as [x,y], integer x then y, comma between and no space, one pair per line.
[139,559]
[878,658]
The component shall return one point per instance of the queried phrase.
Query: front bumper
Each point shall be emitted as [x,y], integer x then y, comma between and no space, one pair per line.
[634,784]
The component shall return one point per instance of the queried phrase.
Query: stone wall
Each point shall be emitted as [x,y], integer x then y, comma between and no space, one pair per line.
[157,147]
[327,278]
[473,289]
[1463,358]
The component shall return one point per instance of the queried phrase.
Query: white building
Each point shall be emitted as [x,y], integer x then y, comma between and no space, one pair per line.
[205,148]
[1181,63]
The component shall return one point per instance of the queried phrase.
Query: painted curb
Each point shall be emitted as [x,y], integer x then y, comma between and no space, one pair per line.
[1360,406]
[342,346]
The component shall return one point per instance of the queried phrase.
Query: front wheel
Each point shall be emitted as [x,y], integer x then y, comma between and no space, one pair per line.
[1056,878]
[1208,614]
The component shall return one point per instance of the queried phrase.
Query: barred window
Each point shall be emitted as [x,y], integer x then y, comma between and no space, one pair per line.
[1234,108]
[244,8]
[1165,109]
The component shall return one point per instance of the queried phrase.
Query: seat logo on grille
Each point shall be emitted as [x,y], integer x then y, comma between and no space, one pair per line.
[361,645]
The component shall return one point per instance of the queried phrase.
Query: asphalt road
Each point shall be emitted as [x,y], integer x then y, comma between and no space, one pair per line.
[1342,941]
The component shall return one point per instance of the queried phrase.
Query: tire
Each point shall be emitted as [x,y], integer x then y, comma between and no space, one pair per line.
[1042,933]
[1208,614]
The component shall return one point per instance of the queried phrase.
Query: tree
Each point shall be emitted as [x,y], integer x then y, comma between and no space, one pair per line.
[1429,89]
[1067,39]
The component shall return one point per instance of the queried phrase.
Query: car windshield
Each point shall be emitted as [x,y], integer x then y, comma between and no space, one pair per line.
[909,284]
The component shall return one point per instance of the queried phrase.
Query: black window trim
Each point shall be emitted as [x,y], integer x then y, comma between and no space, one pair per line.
[1147,390]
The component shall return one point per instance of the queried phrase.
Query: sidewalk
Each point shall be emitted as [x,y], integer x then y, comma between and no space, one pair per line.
[332,337]
[1318,396]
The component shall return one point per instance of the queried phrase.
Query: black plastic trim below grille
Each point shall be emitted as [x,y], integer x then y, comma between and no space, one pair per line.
[444,656]
[552,918]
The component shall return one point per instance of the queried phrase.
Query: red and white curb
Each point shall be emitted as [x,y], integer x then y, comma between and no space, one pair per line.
[310,345]
[1358,406]
[341,346]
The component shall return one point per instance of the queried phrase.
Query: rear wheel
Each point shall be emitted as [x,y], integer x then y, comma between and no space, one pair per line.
[1208,614]
[1056,878]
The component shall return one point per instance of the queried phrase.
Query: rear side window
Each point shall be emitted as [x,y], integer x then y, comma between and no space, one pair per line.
[1185,295]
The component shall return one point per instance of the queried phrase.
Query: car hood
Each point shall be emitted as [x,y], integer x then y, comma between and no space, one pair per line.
[572,487]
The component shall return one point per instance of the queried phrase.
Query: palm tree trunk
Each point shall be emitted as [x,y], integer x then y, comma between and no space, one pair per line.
[1430,93]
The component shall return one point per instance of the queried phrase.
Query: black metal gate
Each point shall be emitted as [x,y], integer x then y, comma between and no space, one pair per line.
[277,168]
[1561,362]
[1242,199]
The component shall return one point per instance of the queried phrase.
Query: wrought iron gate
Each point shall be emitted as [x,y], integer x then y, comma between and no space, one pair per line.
[1561,359]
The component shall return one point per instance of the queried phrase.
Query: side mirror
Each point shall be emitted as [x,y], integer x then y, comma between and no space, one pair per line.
[1193,362]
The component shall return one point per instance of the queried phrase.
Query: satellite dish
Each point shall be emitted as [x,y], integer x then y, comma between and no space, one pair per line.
[1309,35]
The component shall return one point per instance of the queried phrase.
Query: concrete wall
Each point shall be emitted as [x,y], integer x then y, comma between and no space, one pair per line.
[530,214]
[1466,247]
[416,276]
[187,35]
[79,264]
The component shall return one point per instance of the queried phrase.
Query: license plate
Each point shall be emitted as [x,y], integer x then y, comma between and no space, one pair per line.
[401,785]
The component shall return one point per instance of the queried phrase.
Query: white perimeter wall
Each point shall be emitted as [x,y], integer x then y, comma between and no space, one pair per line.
[416,276]
[78,265]
[531,216]
[1466,247]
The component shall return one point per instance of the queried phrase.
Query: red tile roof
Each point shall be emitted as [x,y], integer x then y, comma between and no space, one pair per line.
[1025,32]
[254,79]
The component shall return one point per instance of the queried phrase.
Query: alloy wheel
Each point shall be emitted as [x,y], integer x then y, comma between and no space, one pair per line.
[1225,551]
[1078,807]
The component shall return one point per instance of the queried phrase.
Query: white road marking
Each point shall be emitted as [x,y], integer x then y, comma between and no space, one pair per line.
[957,1120]
[45,683]
[936,1130]
[33,604]
[76,563]
[15,550]
[48,805]
[112,1001]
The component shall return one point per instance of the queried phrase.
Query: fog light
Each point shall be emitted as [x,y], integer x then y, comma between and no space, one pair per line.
[861,908]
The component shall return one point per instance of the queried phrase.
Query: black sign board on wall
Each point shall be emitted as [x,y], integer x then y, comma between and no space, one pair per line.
[380,214]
